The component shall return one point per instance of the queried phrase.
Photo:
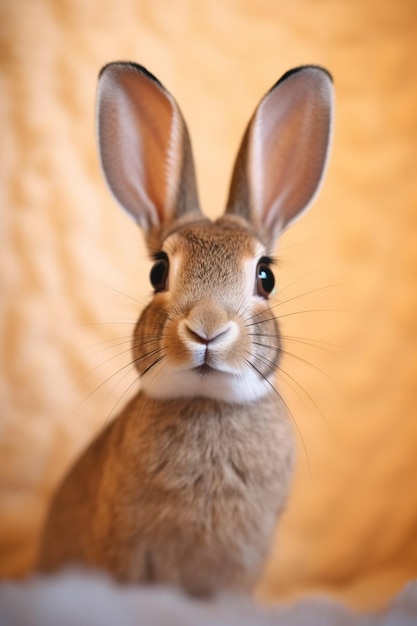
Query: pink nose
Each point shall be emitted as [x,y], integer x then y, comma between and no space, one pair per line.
[199,335]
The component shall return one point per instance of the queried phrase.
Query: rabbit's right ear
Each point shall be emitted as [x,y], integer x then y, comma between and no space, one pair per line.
[145,148]
[284,152]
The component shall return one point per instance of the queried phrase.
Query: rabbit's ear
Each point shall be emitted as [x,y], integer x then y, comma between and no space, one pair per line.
[284,152]
[145,148]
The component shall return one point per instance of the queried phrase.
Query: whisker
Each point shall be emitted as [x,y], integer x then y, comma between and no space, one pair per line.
[281,316]
[162,367]
[292,245]
[131,348]
[304,340]
[316,367]
[289,412]
[297,280]
[298,358]
[124,394]
[261,321]
[307,395]
[121,369]
[158,360]
[115,356]
[128,389]
[265,345]
[315,343]
[104,425]
[110,340]
[120,323]
[103,383]
[309,311]
[121,293]
[270,364]
[113,346]
[305,293]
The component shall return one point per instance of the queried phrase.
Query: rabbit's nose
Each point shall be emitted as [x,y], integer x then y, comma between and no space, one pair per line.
[199,334]
[208,324]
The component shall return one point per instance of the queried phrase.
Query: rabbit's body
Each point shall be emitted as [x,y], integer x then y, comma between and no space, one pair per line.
[187,490]
[192,500]
[186,484]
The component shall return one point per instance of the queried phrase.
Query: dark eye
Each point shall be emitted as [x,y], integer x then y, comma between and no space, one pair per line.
[159,272]
[265,280]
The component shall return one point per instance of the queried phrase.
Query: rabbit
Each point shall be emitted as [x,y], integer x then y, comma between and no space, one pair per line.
[185,486]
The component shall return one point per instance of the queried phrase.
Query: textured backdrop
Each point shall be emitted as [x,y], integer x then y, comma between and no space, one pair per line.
[74,273]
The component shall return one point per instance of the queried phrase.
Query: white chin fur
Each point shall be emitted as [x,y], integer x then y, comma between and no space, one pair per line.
[215,385]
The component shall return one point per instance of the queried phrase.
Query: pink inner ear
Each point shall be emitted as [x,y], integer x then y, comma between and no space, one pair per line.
[135,126]
[289,147]
[147,125]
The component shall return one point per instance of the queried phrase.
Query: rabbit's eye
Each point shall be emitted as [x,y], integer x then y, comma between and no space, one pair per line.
[265,280]
[159,272]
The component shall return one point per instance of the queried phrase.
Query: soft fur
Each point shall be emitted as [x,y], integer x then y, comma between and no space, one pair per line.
[73,268]
[186,485]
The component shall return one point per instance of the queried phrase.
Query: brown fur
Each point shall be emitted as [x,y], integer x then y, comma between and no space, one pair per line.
[185,486]
[183,491]
[180,492]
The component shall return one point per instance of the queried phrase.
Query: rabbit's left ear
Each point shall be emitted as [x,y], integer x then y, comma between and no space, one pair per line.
[284,152]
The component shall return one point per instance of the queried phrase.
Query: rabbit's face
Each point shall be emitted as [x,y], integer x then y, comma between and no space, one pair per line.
[209,330]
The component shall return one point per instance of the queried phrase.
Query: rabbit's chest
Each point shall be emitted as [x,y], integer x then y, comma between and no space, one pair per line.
[199,496]
[216,465]
[203,453]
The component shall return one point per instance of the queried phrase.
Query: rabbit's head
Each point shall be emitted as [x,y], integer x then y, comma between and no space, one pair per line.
[209,330]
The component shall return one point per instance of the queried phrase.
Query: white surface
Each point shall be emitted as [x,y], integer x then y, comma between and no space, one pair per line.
[79,600]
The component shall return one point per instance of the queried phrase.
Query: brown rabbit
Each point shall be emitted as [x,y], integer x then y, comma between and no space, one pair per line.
[186,484]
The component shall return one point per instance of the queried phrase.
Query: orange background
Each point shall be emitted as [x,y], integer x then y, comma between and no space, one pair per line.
[74,275]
